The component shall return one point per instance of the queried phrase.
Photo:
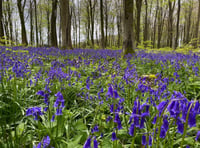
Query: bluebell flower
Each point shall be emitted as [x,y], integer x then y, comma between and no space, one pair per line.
[162,133]
[87,143]
[154,120]
[118,121]
[111,92]
[150,140]
[108,118]
[161,106]
[131,129]
[165,123]
[46,142]
[114,137]
[143,140]
[34,111]
[95,143]
[197,136]
[95,129]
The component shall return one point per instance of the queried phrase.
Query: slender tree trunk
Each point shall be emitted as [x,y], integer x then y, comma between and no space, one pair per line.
[138,6]
[36,23]
[40,29]
[21,15]
[54,42]
[48,24]
[128,43]
[155,22]
[92,11]
[196,35]
[177,25]
[106,22]
[31,22]
[10,20]
[188,22]
[79,24]
[102,25]
[146,24]
[1,20]
[170,23]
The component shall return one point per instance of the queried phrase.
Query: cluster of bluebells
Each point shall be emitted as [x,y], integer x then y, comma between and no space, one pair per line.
[45,143]
[59,104]
[35,112]
[46,98]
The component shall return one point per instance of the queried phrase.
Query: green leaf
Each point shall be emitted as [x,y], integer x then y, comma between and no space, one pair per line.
[75,142]
[20,129]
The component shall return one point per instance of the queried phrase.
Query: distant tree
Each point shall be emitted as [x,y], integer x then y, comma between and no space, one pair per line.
[102,25]
[1,20]
[138,14]
[54,42]
[10,19]
[65,24]
[177,24]
[36,22]
[128,42]
[21,15]
[146,22]
[31,23]
[196,35]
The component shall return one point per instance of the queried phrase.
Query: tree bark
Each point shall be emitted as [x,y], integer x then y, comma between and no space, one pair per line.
[102,25]
[54,42]
[146,24]
[170,23]
[177,25]
[31,23]
[21,15]
[36,23]
[10,20]
[128,43]
[155,23]
[1,20]
[197,27]
[138,6]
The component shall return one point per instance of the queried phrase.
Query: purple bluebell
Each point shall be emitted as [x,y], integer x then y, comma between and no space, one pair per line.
[46,142]
[162,106]
[197,136]
[143,140]
[150,140]
[114,137]
[95,142]
[162,133]
[118,121]
[34,111]
[87,143]
[95,129]
[131,129]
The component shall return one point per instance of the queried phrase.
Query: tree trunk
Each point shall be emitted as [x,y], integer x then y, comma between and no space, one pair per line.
[138,6]
[48,24]
[128,43]
[54,42]
[21,15]
[92,11]
[31,22]
[177,25]
[36,23]
[170,23]
[155,23]
[102,25]
[1,20]
[197,27]
[106,22]
[146,24]
[10,20]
